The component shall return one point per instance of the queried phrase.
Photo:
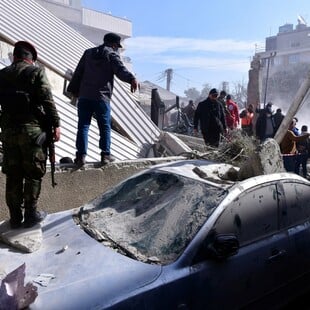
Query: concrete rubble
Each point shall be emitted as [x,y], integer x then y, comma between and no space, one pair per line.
[26,240]
[265,159]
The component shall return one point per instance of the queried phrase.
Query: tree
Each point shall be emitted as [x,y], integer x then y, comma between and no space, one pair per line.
[205,91]
[240,93]
[192,94]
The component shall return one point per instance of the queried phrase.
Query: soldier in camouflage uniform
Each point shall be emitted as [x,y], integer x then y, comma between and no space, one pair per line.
[26,106]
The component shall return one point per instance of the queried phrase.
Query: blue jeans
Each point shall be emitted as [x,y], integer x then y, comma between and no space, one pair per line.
[102,111]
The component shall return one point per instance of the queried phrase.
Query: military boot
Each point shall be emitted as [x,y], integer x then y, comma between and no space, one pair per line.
[32,216]
[16,217]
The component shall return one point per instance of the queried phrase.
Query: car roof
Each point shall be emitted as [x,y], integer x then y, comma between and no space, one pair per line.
[216,173]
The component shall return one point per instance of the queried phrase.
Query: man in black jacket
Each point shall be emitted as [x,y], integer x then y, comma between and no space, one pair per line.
[211,118]
[92,83]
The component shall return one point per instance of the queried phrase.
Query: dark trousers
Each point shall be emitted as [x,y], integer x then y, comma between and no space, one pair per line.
[289,162]
[301,160]
[212,139]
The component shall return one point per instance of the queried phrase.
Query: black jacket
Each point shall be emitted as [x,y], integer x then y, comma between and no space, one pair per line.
[261,123]
[94,75]
[210,116]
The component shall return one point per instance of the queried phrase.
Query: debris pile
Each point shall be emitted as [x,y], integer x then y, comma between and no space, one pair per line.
[246,153]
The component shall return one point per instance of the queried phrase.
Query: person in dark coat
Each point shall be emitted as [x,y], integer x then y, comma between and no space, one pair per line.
[265,125]
[278,118]
[210,116]
[92,82]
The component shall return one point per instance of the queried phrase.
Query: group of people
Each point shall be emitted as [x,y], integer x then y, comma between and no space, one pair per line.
[295,148]
[28,111]
[219,113]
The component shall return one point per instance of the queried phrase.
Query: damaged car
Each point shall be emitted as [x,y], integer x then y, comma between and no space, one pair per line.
[180,235]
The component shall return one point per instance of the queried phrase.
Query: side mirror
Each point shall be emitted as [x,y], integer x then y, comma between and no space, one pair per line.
[222,246]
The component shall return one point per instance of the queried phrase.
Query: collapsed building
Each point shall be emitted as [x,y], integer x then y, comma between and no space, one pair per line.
[279,68]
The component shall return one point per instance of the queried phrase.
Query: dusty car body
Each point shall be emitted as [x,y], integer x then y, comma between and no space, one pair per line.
[177,236]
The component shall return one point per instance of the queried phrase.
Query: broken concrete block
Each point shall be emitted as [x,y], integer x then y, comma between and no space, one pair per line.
[265,159]
[27,240]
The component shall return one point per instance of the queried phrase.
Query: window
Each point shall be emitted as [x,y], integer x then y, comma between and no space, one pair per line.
[278,61]
[252,216]
[297,203]
[295,44]
[293,59]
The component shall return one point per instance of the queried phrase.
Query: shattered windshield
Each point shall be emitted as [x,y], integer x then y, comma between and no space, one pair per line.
[151,217]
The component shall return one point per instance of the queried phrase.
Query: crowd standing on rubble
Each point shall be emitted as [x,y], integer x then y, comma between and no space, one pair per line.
[295,146]
[29,122]
[92,83]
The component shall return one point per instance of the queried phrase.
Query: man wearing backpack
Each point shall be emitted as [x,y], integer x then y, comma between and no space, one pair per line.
[26,107]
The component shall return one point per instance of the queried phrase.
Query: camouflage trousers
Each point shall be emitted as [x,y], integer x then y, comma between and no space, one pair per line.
[24,163]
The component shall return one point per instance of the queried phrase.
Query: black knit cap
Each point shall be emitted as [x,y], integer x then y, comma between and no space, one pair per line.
[21,48]
[213,91]
[112,38]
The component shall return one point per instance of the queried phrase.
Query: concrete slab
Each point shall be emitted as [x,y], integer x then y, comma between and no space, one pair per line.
[26,240]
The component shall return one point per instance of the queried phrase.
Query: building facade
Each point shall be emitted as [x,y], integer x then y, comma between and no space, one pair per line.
[284,63]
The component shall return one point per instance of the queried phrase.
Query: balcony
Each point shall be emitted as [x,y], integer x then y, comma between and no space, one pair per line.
[106,22]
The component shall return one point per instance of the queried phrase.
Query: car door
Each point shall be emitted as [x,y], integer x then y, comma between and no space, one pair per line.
[295,221]
[259,267]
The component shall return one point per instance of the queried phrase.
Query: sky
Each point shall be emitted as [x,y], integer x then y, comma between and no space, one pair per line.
[202,41]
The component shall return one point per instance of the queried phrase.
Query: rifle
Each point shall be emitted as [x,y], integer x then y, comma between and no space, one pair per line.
[51,156]
[47,140]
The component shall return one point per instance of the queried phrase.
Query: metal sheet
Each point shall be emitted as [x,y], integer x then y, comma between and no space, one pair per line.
[121,147]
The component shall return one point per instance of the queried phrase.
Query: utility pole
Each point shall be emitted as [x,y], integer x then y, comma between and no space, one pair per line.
[273,54]
[168,73]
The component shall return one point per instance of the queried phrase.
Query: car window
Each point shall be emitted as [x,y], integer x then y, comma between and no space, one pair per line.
[154,215]
[253,215]
[297,198]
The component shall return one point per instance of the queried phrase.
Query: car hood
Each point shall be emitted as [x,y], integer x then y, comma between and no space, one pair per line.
[83,273]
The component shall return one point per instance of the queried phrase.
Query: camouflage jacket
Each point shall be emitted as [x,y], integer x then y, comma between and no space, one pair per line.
[33,82]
